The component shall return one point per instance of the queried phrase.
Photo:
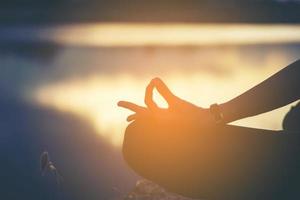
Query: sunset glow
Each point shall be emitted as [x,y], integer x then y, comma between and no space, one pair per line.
[202,76]
[134,34]
[96,98]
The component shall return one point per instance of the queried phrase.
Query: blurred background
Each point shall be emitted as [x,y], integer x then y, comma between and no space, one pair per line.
[65,64]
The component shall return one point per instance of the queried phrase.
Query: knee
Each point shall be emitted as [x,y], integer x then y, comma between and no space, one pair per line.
[130,141]
[143,146]
[136,144]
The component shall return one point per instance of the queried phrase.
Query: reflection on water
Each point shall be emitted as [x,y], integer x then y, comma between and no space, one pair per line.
[100,64]
[95,96]
[154,34]
[135,34]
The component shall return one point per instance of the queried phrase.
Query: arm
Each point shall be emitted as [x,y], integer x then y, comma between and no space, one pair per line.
[279,90]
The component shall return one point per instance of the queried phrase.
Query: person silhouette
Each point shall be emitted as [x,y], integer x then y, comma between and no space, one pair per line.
[193,151]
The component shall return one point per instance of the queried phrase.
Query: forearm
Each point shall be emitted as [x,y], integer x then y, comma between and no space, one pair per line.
[279,90]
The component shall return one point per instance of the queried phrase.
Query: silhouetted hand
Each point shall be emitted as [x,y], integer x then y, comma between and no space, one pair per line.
[178,109]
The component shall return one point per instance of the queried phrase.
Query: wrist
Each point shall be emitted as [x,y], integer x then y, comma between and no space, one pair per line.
[217,113]
[228,112]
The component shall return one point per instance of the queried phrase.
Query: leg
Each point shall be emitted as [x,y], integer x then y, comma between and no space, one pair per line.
[228,162]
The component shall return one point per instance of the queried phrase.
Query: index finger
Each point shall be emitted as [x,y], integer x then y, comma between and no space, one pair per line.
[131,106]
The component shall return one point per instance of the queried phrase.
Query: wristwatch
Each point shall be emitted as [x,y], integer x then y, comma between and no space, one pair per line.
[217,113]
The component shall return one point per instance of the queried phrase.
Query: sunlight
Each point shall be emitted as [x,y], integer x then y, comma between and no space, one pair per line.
[96,97]
[135,34]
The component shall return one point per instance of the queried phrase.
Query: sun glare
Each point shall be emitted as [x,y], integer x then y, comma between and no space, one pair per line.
[96,98]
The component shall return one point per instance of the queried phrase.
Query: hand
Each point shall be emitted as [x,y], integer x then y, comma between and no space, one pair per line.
[178,109]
